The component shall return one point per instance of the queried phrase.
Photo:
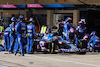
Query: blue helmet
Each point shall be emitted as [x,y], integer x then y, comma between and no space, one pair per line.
[31,20]
[13,19]
[21,17]
[87,34]
[93,33]
[72,28]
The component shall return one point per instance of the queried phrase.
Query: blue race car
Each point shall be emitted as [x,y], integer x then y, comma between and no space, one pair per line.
[52,43]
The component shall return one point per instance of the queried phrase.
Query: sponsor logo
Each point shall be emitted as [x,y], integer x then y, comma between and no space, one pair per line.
[97,40]
[6,5]
[29,27]
[5,33]
[32,5]
[97,45]
[23,28]
[23,24]
[29,30]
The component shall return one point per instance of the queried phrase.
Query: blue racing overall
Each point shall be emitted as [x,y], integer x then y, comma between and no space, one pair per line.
[30,39]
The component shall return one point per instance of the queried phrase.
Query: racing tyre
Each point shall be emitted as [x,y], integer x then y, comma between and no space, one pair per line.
[54,48]
[98,50]
[51,48]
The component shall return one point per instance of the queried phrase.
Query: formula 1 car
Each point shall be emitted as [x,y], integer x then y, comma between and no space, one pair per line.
[53,44]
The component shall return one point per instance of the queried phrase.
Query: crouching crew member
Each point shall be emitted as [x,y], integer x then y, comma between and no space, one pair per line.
[71,34]
[94,40]
[30,35]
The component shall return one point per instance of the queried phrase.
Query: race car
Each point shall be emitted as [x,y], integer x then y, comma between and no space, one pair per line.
[53,44]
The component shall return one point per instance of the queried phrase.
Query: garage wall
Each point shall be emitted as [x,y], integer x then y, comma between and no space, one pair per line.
[8,13]
[40,11]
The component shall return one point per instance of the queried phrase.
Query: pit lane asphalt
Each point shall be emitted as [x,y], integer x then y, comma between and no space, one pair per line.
[50,60]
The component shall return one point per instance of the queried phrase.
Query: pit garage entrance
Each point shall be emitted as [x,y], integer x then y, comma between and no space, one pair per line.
[92,18]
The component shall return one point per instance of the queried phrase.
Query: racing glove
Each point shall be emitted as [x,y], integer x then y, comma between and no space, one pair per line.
[27,35]
[23,35]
